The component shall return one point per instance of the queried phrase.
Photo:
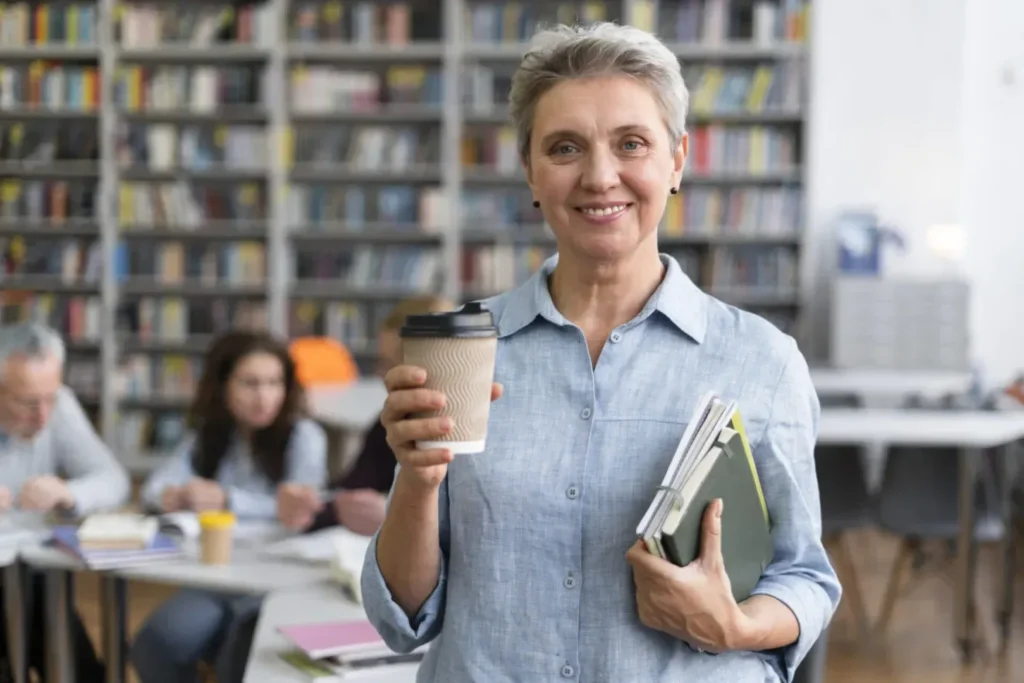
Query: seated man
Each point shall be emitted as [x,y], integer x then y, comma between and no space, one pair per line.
[51,460]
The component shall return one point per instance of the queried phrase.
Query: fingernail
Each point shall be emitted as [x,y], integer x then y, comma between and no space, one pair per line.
[421,376]
[721,506]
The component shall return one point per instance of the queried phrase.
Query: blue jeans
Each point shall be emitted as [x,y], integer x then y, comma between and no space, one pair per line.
[196,626]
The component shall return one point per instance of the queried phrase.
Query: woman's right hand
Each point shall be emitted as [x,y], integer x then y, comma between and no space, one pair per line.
[407,396]
[173,499]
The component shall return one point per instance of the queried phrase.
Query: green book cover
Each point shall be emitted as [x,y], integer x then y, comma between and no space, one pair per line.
[727,472]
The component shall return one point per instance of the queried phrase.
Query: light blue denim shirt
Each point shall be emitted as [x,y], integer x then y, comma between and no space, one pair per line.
[251,495]
[534,585]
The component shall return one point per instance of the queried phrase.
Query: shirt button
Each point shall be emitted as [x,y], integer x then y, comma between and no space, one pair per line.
[568,671]
[616,337]
[572,492]
[569,582]
[585,413]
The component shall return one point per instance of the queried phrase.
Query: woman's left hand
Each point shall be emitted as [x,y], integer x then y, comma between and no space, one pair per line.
[693,603]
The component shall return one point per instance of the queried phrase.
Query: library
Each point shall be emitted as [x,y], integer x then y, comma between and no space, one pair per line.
[192,190]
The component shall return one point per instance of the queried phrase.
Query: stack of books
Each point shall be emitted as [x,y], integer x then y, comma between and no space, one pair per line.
[113,541]
[713,461]
[341,650]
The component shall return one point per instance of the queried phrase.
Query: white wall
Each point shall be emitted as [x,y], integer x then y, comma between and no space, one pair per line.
[884,133]
[917,111]
[993,187]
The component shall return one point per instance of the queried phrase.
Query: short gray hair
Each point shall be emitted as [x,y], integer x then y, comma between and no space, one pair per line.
[32,339]
[566,52]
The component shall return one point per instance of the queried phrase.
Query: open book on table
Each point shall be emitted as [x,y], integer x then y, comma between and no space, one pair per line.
[342,550]
[713,460]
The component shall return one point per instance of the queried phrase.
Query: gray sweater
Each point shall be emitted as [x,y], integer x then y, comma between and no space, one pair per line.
[70,448]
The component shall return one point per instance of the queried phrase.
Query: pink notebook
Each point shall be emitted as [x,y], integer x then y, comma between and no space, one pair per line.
[333,638]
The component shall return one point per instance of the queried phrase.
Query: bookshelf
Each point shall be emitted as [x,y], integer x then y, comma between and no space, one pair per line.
[169,169]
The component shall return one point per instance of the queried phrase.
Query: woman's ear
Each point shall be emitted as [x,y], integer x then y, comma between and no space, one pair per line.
[525,162]
[679,156]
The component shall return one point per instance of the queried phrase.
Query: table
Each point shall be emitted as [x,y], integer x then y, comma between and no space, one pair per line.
[14,611]
[352,406]
[248,573]
[969,431]
[320,602]
[894,383]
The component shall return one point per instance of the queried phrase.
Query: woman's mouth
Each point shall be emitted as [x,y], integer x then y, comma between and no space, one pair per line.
[604,213]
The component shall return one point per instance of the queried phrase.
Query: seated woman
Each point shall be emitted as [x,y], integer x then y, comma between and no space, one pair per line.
[249,437]
[359,503]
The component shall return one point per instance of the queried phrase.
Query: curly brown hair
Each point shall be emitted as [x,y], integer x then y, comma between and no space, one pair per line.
[215,426]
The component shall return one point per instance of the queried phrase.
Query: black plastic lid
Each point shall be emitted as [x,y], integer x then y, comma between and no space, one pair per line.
[472,320]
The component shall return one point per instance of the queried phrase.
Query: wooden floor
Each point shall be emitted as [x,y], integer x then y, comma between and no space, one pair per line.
[918,647]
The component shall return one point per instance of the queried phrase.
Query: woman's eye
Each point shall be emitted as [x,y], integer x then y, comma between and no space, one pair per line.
[633,145]
[565,149]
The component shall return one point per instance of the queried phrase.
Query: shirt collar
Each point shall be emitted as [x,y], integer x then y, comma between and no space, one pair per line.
[677,298]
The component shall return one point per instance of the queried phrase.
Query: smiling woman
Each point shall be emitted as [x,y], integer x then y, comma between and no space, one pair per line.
[521,563]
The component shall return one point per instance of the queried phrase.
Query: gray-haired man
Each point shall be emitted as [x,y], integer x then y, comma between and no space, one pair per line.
[50,458]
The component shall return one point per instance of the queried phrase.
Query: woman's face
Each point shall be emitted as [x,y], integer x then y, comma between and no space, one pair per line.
[602,165]
[256,390]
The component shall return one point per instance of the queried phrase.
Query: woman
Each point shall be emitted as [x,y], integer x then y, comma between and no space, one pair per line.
[249,437]
[359,503]
[527,553]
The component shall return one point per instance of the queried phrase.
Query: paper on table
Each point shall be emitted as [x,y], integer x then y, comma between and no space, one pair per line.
[321,546]
[22,526]
[337,547]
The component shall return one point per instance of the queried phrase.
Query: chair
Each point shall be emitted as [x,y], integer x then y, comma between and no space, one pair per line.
[846,505]
[322,361]
[1015,527]
[919,501]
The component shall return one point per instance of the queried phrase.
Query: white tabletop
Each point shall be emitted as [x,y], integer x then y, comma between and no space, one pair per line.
[896,383]
[965,428]
[352,406]
[247,573]
[319,602]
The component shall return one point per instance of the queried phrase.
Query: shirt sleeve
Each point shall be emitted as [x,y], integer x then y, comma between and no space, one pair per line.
[96,478]
[176,471]
[399,632]
[800,575]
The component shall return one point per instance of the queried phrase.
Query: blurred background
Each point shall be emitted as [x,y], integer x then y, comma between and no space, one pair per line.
[171,169]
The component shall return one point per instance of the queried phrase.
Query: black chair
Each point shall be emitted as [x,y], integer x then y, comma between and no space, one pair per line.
[919,501]
[846,505]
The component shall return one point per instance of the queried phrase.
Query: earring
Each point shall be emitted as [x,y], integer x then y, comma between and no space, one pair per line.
[536,204]
[674,190]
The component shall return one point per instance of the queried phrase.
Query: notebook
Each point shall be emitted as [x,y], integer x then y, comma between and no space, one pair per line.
[713,460]
[335,638]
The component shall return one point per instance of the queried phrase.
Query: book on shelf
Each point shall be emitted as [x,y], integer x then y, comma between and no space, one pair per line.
[712,461]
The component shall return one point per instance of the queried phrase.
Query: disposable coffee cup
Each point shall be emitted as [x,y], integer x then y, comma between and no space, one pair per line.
[216,532]
[457,350]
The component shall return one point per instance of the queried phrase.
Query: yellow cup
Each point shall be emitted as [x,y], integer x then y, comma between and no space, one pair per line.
[215,538]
